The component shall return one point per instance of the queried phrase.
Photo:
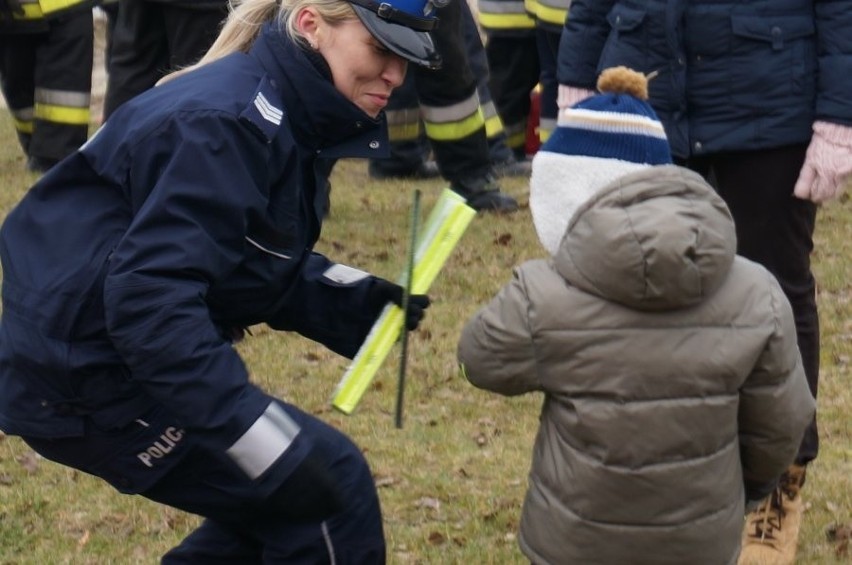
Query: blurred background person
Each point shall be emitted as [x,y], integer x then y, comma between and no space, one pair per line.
[131,269]
[150,38]
[46,51]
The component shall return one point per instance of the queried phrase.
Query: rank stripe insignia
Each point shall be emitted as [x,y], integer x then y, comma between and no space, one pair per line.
[269,112]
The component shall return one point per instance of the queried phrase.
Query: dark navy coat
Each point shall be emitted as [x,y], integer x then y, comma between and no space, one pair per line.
[732,75]
[191,214]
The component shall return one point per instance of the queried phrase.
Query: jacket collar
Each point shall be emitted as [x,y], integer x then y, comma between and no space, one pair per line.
[321,117]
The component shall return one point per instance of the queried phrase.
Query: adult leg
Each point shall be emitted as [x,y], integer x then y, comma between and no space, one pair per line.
[139,53]
[513,61]
[63,88]
[191,31]
[17,78]
[453,118]
[776,229]
[240,524]
[548,50]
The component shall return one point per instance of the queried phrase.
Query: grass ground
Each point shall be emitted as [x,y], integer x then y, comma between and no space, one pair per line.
[452,479]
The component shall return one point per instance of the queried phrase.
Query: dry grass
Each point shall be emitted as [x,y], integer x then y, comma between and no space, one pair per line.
[452,479]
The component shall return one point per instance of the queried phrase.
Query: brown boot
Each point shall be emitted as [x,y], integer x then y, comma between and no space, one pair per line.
[771,532]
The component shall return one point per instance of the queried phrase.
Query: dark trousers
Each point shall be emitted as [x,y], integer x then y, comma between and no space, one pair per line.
[58,60]
[514,65]
[776,230]
[151,39]
[548,51]
[240,526]
[466,156]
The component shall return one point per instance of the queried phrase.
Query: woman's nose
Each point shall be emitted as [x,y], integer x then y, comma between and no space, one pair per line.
[394,72]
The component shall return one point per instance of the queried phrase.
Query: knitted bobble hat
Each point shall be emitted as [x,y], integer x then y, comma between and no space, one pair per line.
[596,141]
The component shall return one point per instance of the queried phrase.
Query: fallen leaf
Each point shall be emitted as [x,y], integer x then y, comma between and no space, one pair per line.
[84,539]
[838,532]
[6,480]
[386,481]
[503,239]
[437,538]
[427,502]
[29,461]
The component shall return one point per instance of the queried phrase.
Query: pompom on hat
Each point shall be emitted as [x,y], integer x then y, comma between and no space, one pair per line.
[596,141]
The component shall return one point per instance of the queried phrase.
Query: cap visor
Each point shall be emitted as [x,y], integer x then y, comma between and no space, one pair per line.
[415,46]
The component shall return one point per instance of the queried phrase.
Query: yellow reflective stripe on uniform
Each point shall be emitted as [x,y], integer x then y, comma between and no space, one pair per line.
[545,128]
[49,6]
[37,9]
[62,106]
[404,132]
[550,14]
[506,21]
[23,126]
[501,14]
[455,130]
[493,126]
[264,442]
[516,135]
[403,125]
[23,119]
[450,123]
[62,114]
[32,10]
[493,123]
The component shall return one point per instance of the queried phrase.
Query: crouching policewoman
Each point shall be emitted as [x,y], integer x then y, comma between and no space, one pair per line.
[132,266]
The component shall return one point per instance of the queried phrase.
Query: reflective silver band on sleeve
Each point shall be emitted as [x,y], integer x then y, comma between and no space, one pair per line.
[264,442]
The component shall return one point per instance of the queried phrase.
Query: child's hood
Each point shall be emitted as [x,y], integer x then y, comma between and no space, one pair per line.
[656,239]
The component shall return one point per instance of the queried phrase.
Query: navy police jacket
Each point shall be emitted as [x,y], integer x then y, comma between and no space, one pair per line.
[732,75]
[191,213]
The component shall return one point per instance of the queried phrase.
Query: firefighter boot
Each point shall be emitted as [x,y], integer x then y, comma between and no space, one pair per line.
[483,194]
[771,532]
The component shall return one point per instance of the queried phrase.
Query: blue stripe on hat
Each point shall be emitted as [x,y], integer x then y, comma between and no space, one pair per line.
[611,126]
[609,145]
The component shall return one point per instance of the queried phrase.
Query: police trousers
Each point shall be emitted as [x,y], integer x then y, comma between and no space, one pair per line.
[238,526]
[775,229]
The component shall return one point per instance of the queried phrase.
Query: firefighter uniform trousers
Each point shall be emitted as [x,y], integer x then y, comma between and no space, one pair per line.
[47,82]
[549,20]
[513,60]
[153,38]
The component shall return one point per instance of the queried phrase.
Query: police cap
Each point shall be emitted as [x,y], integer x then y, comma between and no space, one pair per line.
[402,26]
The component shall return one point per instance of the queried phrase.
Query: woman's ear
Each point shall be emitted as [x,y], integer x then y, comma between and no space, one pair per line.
[308,24]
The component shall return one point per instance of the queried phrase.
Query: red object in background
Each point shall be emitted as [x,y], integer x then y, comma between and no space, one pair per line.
[532,141]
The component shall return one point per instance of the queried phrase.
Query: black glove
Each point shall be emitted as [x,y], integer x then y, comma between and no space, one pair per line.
[383,291]
[309,494]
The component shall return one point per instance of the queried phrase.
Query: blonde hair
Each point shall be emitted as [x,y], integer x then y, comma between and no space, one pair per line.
[246,18]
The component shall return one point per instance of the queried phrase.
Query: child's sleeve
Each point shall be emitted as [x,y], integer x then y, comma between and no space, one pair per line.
[775,403]
[496,350]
